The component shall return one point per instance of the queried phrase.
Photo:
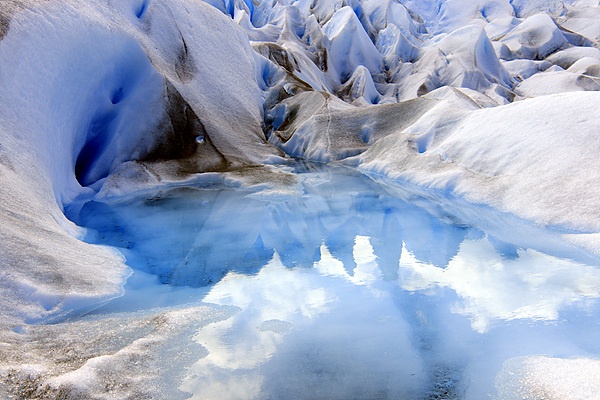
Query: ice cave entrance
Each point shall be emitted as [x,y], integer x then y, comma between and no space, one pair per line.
[345,291]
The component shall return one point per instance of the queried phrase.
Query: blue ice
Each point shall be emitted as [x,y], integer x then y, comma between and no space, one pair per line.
[345,291]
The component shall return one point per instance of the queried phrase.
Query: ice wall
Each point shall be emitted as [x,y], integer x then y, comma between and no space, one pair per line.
[89,89]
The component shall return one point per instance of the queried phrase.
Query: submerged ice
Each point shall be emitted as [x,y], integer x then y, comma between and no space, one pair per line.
[157,241]
[337,291]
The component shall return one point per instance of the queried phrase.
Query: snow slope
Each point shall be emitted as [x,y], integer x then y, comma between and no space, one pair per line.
[535,159]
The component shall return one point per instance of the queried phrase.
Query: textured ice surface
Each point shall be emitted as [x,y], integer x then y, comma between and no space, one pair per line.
[535,154]
[154,122]
[330,289]
[87,87]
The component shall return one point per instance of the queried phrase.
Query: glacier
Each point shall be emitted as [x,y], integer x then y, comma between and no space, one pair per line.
[299,199]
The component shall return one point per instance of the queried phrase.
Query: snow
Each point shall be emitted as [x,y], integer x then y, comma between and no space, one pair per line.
[499,27]
[395,47]
[566,58]
[360,88]
[554,81]
[84,121]
[535,38]
[323,128]
[386,14]
[523,69]
[465,58]
[158,240]
[584,21]
[531,149]
[586,66]
[348,45]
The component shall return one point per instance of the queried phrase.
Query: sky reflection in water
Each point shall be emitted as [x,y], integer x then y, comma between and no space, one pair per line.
[346,292]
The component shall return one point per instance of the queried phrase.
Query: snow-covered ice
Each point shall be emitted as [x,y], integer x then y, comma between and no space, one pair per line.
[439,240]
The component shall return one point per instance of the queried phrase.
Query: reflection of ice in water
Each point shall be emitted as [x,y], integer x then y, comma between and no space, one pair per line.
[195,236]
[532,286]
[346,292]
[332,338]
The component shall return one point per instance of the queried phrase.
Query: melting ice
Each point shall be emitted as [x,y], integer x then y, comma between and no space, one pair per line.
[339,290]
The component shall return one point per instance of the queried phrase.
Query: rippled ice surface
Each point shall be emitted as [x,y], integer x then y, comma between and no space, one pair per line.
[343,291]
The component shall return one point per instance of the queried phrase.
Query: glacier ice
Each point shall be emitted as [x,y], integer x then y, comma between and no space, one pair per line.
[535,38]
[326,284]
[525,142]
[151,209]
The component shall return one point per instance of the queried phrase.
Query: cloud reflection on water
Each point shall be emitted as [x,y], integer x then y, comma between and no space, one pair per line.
[491,287]
[333,335]
[344,291]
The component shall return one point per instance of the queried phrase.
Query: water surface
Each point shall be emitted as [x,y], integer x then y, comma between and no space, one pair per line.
[346,292]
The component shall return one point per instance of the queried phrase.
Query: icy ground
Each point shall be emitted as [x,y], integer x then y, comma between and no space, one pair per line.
[328,289]
[299,199]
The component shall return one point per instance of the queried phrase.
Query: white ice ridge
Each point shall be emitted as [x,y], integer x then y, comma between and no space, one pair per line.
[536,159]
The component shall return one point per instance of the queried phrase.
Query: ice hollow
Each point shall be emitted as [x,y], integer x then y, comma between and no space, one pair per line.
[134,95]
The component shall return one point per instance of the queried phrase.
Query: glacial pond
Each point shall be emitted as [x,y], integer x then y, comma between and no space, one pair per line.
[344,291]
